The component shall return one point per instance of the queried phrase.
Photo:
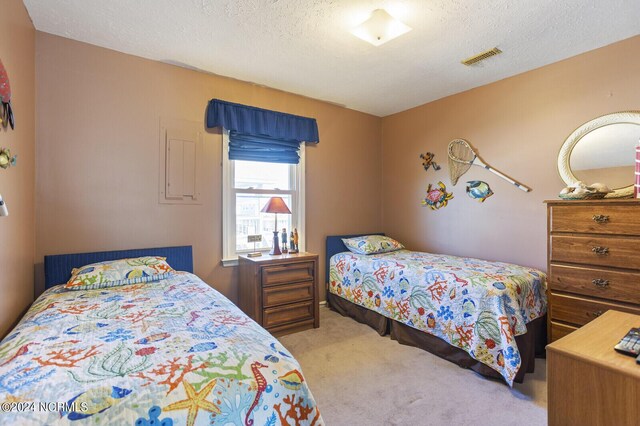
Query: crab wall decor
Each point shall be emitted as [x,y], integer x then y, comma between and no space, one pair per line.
[437,196]
[427,161]
[6,159]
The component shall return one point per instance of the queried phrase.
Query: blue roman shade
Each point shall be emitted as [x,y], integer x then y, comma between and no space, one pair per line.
[257,134]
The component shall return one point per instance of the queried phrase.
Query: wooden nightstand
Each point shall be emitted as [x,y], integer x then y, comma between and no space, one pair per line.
[280,292]
[589,383]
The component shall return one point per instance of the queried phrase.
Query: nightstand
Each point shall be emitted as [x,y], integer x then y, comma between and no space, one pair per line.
[588,382]
[280,292]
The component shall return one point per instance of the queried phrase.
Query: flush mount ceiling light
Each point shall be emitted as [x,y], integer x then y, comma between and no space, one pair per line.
[380,28]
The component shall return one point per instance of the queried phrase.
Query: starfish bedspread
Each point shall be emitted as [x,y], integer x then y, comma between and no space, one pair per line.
[169,352]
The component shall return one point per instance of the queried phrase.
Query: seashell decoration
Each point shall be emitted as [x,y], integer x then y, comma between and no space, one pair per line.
[579,191]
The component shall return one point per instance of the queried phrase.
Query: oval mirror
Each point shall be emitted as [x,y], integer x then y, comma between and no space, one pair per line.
[603,150]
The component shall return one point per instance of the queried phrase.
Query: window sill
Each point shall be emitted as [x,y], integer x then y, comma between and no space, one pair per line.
[230,262]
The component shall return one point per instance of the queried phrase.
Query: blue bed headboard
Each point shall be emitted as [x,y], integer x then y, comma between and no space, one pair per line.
[57,268]
[335,246]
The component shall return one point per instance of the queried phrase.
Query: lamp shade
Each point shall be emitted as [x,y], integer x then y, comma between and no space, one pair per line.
[380,28]
[276,205]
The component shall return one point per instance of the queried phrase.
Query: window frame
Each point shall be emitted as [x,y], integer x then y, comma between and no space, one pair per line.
[297,191]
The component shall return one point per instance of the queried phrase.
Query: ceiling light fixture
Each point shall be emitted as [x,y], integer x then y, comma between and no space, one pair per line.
[380,28]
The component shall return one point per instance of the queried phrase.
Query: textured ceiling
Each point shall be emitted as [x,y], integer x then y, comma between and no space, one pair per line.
[304,46]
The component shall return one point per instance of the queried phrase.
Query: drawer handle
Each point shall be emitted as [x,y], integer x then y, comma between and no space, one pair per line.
[599,282]
[600,250]
[595,314]
[600,218]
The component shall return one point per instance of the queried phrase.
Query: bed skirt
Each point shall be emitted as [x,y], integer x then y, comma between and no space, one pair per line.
[531,344]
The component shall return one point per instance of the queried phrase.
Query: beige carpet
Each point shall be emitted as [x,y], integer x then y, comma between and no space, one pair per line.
[360,378]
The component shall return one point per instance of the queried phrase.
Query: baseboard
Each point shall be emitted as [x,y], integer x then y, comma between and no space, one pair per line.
[323,303]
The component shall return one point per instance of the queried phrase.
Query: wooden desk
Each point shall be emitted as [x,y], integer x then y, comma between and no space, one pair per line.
[589,383]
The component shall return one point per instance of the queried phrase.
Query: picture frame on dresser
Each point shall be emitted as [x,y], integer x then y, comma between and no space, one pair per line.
[593,261]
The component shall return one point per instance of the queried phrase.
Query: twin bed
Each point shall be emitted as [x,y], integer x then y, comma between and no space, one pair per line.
[486,316]
[171,351]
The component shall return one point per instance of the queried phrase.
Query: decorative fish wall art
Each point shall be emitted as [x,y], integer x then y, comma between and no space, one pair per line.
[427,161]
[478,190]
[437,196]
[6,114]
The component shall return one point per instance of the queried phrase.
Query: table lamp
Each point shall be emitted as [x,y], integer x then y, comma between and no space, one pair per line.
[276,205]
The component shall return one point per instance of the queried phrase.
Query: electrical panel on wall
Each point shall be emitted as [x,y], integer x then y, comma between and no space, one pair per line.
[180,162]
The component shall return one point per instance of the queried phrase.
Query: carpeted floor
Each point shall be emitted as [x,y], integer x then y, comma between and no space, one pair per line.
[360,378]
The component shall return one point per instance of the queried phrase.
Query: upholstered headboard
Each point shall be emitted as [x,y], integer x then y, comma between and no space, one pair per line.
[57,268]
[335,246]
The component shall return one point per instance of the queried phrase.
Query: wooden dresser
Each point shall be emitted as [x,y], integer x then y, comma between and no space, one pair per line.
[588,382]
[593,261]
[280,292]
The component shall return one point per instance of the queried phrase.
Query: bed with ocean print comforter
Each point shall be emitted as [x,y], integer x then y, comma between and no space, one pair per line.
[476,305]
[173,351]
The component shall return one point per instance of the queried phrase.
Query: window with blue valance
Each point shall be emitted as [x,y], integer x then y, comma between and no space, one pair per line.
[257,134]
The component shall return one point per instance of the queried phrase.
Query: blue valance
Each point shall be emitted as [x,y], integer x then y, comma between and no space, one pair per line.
[261,148]
[252,121]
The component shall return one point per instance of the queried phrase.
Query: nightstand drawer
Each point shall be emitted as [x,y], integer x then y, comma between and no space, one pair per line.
[594,282]
[287,293]
[596,219]
[596,250]
[288,273]
[579,311]
[287,314]
[558,331]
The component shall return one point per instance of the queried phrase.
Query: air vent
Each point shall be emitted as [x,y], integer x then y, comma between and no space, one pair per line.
[482,56]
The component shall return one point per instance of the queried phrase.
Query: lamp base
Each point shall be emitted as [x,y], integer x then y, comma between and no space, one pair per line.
[275,250]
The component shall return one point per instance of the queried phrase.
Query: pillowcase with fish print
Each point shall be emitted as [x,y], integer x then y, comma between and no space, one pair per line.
[119,272]
[371,244]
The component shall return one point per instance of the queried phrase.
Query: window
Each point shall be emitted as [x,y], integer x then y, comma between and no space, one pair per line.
[247,186]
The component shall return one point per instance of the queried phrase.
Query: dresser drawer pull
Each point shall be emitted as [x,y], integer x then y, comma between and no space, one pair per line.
[600,218]
[595,314]
[599,282]
[600,250]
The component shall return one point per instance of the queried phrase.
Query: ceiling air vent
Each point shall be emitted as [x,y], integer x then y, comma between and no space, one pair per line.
[481,56]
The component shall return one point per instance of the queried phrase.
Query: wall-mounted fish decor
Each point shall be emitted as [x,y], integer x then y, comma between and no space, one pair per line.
[6,114]
[437,196]
[478,190]
[427,161]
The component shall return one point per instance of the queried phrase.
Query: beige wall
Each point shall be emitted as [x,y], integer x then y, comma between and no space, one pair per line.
[97,182]
[518,126]
[17,237]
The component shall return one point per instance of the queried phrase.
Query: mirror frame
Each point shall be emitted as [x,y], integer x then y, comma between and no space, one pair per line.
[629,117]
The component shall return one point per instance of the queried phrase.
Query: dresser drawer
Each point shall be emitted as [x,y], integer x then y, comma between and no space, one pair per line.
[596,219]
[286,314]
[558,331]
[287,293]
[288,273]
[596,250]
[579,311]
[594,282]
